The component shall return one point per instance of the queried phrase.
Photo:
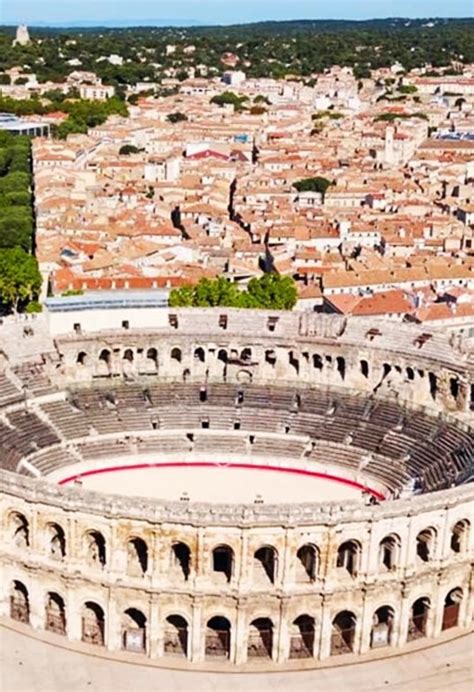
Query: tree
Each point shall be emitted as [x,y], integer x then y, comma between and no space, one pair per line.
[270,291]
[128,149]
[20,279]
[317,184]
[176,117]
[228,98]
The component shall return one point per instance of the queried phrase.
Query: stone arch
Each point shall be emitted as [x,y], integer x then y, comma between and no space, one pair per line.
[134,630]
[307,564]
[128,355]
[223,561]
[318,363]
[426,544]
[176,354]
[176,636]
[152,360]
[343,633]
[137,556]
[451,608]
[19,602]
[244,376]
[460,536]
[433,385]
[454,387]
[302,637]
[105,363]
[260,638]
[55,613]
[56,541]
[265,564]
[199,355]
[20,530]
[82,359]
[222,355]
[246,354]
[382,627]
[418,618]
[95,548]
[389,551]
[341,367]
[349,556]
[410,373]
[217,638]
[270,357]
[181,560]
[364,368]
[93,624]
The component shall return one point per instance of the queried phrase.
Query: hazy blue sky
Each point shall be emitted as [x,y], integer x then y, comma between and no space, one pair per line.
[223,11]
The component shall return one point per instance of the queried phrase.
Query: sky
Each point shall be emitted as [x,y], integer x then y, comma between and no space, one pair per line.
[220,11]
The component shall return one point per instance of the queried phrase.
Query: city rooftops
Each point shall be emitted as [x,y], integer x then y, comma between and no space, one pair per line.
[109,300]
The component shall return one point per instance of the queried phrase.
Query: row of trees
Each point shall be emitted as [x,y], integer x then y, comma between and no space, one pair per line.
[270,292]
[20,279]
[266,49]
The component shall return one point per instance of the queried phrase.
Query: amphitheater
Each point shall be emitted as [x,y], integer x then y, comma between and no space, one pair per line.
[231,489]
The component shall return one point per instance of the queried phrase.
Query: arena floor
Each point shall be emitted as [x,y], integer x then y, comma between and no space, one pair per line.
[30,665]
[215,482]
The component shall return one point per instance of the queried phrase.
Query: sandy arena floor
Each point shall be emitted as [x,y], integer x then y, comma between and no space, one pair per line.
[218,484]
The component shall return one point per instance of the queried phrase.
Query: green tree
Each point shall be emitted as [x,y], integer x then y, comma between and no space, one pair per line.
[317,184]
[128,149]
[20,279]
[176,117]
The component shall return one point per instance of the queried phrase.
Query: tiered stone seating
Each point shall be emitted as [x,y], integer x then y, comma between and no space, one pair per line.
[70,422]
[9,393]
[32,428]
[34,379]
[51,459]
[104,449]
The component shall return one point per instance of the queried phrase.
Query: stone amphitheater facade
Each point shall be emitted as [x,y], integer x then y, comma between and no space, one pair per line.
[214,584]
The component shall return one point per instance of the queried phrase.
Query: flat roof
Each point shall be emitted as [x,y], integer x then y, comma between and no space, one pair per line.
[108,300]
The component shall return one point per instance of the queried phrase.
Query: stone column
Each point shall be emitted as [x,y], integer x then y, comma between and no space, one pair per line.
[197,632]
[73,606]
[241,631]
[325,630]
[280,652]
[155,628]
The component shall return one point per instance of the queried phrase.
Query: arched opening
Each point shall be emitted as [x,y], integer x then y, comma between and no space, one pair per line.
[217,643]
[19,603]
[410,374]
[95,548]
[389,552]
[302,637]
[82,358]
[418,619]
[181,560]
[175,636]
[246,355]
[222,355]
[425,544]
[364,368]
[343,633]
[454,387]
[134,631]
[57,542]
[270,358]
[307,563]
[260,642]
[137,557]
[317,362]
[55,614]
[265,564]
[294,361]
[20,530]
[381,633]
[341,367]
[105,362]
[433,384]
[128,355]
[452,605]
[223,561]
[199,355]
[176,355]
[93,624]
[152,360]
[348,557]
[459,536]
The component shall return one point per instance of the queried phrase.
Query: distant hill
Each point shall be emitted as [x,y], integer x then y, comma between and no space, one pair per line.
[296,26]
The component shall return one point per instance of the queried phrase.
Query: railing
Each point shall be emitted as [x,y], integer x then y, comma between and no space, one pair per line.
[218,643]
[176,642]
[19,611]
[93,632]
[55,622]
[342,641]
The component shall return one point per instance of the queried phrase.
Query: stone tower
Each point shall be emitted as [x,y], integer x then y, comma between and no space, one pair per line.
[22,36]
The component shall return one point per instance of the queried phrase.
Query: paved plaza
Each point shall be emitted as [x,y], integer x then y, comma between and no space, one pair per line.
[30,665]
